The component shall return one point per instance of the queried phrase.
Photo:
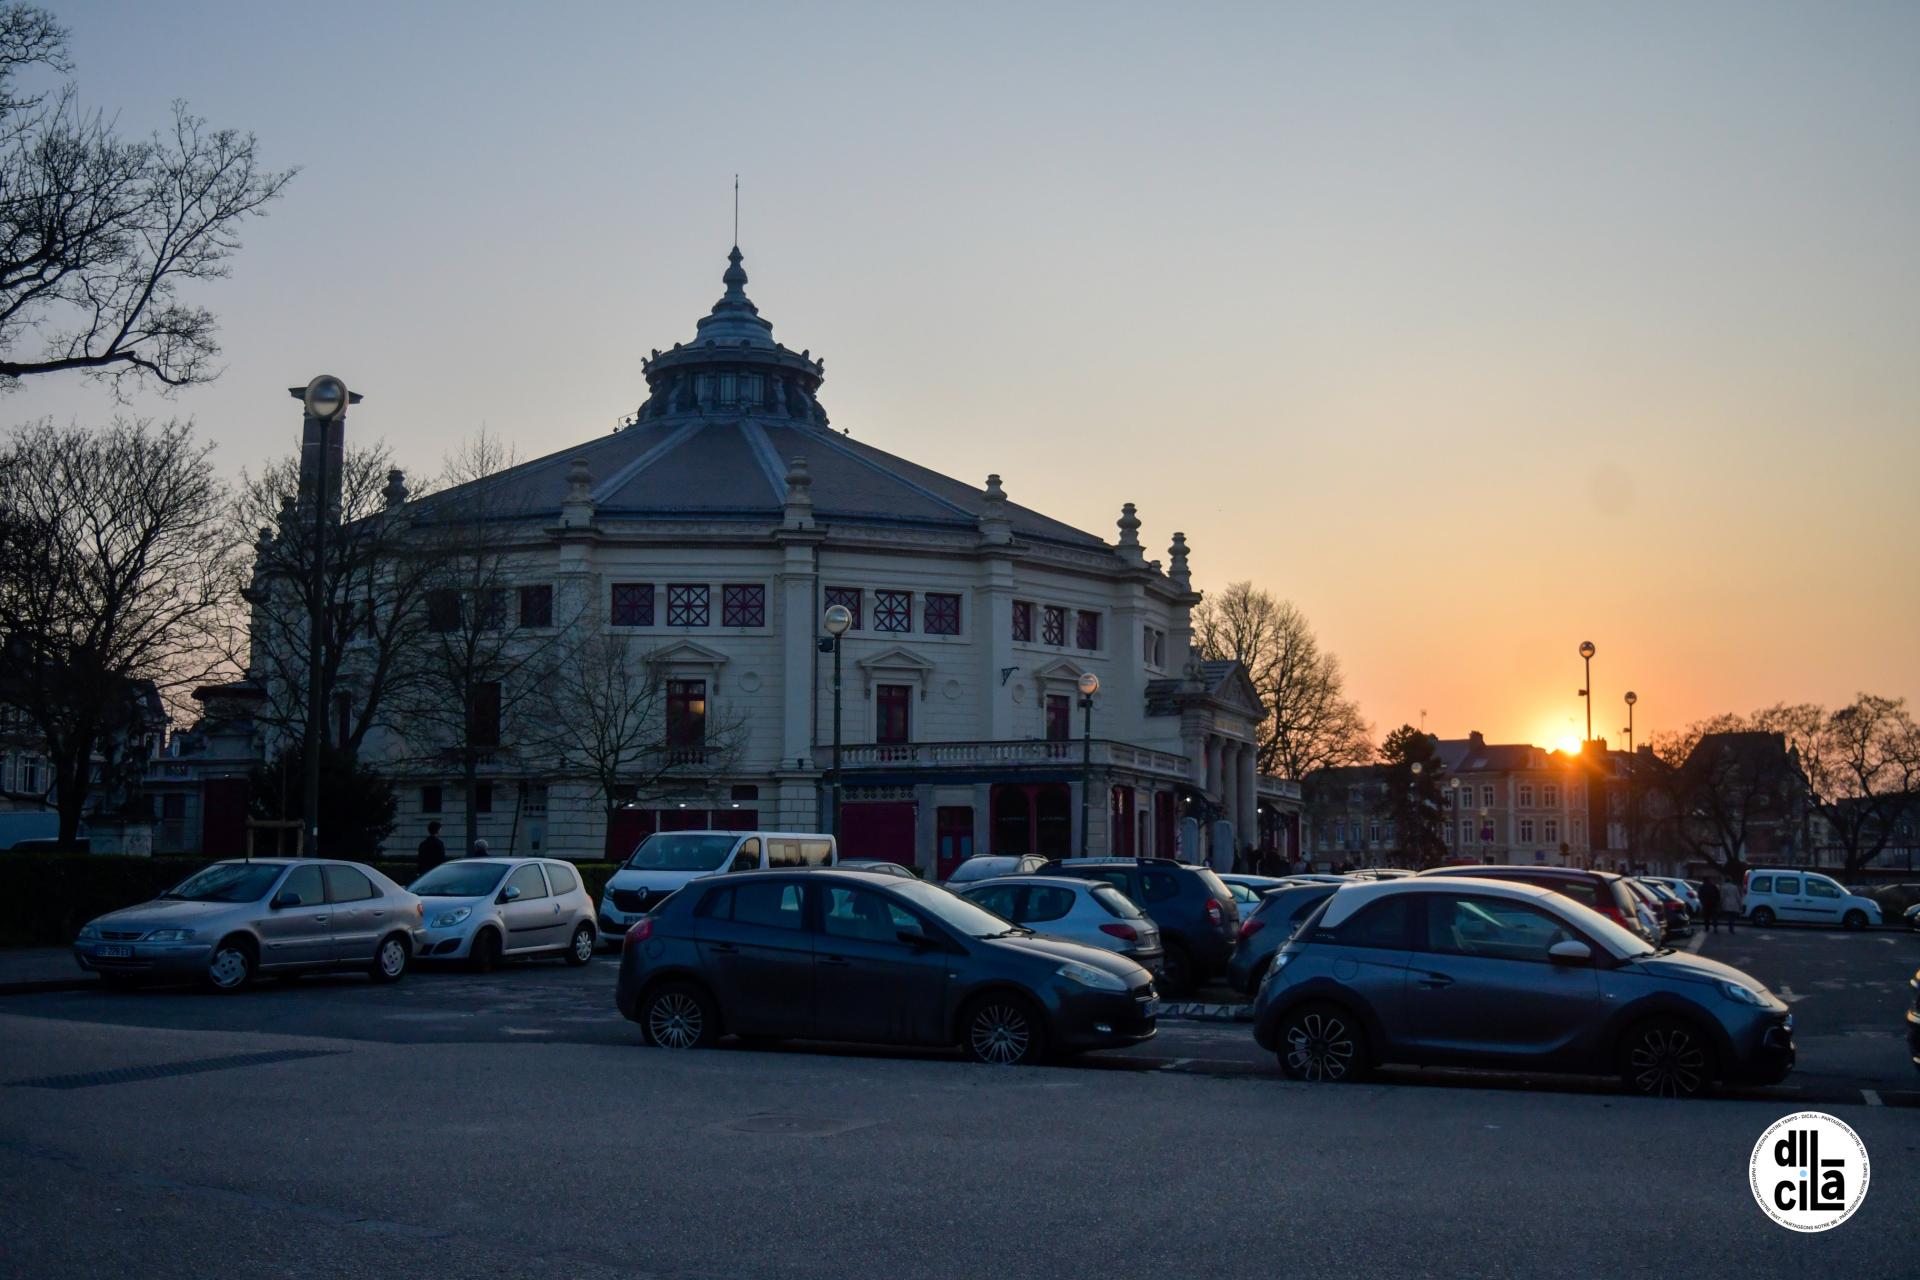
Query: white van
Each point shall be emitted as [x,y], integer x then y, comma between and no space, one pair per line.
[666,860]
[1806,897]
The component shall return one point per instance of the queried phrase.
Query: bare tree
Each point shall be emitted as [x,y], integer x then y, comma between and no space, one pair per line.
[1862,763]
[1310,722]
[98,233]
[1717,785]
[608,715]
[372,592]
[113,575]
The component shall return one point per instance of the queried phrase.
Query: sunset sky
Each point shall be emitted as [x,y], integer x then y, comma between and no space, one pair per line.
[1475,330]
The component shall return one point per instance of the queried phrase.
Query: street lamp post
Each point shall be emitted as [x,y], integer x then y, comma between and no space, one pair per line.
[1586,656]
[1414,809]
[838,618]
[1089,684]
[1453,789]
[1633,799]
[326,399]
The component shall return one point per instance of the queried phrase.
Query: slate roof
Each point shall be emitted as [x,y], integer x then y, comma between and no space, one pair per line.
[689,455]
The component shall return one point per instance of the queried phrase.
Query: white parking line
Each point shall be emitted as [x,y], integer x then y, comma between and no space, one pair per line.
[1786,993]
[1873,1099]
[1175,1065]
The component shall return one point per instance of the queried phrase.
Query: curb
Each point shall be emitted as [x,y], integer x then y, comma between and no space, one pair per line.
[47,985]
[1192,1011]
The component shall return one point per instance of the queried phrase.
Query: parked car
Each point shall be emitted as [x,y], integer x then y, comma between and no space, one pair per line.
[1600,891]
[853,956]
[1470,971]
[1913,1017]
[988,866]
[1198,918]
[228,922]
[1088,912]
[1913,916]
[1685,890]
[667,860]
[482,910]
[1666,906]
[1247,890]
[880,866]
[1806,897]
[1267,929]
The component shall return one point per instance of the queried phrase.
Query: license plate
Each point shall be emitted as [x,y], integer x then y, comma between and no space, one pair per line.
[114,953]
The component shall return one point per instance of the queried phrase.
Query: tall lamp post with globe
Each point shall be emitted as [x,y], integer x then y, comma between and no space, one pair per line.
[1586,655]
[1088,684]
[836,621]
[1633,806]
[326,399]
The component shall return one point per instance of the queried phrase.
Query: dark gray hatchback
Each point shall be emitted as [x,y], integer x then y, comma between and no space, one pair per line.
[854,956]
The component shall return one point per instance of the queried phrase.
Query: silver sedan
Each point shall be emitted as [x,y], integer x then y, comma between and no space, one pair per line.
[232,920]
[483,910]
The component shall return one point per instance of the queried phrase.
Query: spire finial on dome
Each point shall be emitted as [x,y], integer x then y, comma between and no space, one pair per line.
[736,277]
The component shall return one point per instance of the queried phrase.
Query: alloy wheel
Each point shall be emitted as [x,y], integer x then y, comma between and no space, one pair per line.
[675,1021]
[582,945]
[1000,1034]
[1320,1047]
[1667,1062]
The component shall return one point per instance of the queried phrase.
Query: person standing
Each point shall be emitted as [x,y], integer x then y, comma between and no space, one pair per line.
[479,849]
[432,851]
[1733,903]
[1709,903]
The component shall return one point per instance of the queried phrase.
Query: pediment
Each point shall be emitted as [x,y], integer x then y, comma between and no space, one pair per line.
[686,653]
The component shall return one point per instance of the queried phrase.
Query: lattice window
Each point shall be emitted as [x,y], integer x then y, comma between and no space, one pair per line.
[1086,630]
[849,599]
[633,604]
[687,604]
[1053,625]
[943,614]
[743,605]
[536,606]
[1023,620]
[893,611]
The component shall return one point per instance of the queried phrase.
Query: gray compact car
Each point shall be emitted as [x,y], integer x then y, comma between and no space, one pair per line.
[483,910]
[986,866]
[1458,971]
[1092,913]
[232,920]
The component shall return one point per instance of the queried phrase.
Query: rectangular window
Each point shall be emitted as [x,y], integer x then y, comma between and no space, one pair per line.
[633,604]
[430,799]
[342,717]
[491,614]
[953,828]
[483,714]
[686,714]
[1550,830]
[1486,796]
[1023,620]
[847,598]
[892,711]
[743,604]
[687,604]
[443,611]
[1526,831]
[533,799]
[1549,796]
[1340,832]
[1153,647]
[536,606]
[893,611]
[1526,795]
[483,797]
[1053,625]
[1059,717]
[943,614]
[1086,630]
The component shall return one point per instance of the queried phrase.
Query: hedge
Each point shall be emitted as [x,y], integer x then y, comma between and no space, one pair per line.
[46,897]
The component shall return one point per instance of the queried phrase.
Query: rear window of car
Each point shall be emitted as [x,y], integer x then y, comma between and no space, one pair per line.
[771,904]
[1786,884]
[1115,902]
[1215,885]
[1045,902]
[1386,923]
[1159,886]
[344,884]
[562,878]
[1761,884]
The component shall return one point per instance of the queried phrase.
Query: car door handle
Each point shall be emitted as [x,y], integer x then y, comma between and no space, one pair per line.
[1435,981]
[837,962]
[320,919]
[725,949]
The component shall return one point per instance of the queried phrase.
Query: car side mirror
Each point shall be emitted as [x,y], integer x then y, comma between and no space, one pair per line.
[1570,952]
[916,938]
[286,899]
[510,893]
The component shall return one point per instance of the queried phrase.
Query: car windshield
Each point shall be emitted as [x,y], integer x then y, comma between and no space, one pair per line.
[1619,939]
[953,910]
[681,851]
[462,879]
[228,882]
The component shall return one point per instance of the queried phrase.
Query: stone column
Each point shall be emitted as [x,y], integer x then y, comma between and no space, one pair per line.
[1249,796]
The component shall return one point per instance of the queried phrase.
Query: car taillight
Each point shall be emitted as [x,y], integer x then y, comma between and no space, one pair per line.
[1613,914]
[1251,926]
[1121,931]
[1214,914]
[642,929]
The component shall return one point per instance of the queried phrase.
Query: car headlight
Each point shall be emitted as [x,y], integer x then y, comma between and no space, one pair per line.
[1743,995]
[447,919]
[1088,976]
[170,935]
[89,930]
[1281,959]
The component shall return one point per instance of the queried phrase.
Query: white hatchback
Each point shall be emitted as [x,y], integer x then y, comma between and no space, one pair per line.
[1806,897]
[483,910]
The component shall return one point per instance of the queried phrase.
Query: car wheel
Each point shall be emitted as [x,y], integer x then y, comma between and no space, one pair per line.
[1177,979]
[1003,1030]
[1855,920]
[1666,1058]
[1763,916]
[232,965]
[389,959]
[679,1015]
[484,955]
[581,950]
[1322,1043]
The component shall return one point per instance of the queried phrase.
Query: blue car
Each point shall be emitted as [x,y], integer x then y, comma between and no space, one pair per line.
[1461,971]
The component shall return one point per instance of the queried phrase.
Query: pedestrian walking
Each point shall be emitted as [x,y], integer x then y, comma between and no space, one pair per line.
[1733,903]
[1710,904]
[432,851]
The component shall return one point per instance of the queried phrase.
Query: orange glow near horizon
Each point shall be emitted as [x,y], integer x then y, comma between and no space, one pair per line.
[1568,746]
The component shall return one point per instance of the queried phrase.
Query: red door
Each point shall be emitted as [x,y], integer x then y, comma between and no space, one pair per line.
[878,829]
[626,828]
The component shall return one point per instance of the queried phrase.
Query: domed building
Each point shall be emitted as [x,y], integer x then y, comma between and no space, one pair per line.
[707,539]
